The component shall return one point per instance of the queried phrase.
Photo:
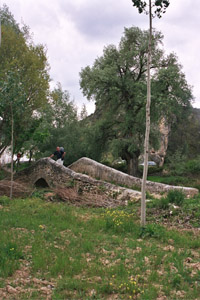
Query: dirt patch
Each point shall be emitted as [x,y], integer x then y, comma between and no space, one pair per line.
[22,283]
[19,189]
[90,199]
[177,219]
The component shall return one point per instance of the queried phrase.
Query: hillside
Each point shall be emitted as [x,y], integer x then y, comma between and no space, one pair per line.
[52,250]
[69,244]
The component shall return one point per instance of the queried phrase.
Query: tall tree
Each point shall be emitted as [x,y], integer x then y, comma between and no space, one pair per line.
[28,65]
[117,82]
[61,127]
[161,6]
[13,99]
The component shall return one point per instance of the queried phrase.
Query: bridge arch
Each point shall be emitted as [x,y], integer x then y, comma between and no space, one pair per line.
[41,183]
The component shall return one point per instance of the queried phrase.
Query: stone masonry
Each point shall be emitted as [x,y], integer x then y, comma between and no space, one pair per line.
[102,172]
[55,176]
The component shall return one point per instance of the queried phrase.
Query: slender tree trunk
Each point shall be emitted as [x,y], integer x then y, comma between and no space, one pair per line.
[132,165]
[146,142]
[2,150]
[30,156]
[12,134]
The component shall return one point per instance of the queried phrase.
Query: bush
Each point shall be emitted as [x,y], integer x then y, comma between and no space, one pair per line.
[175,196]
[163,203]
[152,230]
[4,200]
[193,166]
[179,164]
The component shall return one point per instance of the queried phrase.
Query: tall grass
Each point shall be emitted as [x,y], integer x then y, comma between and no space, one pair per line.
[94,253]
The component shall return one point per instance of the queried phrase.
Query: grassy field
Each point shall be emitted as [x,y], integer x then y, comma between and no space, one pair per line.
[190,181]
[51,250]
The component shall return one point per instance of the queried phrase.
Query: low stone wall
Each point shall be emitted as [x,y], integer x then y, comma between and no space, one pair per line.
[57,176]
[102,172]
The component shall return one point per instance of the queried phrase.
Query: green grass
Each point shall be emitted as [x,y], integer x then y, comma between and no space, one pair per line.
[189,180]
[175,210]
[3,174]
[85,253]
[172,180]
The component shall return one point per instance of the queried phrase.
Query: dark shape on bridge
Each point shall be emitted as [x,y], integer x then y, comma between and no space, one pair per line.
[41,183]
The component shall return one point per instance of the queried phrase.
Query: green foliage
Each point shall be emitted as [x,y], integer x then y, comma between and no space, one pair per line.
[117,83]
[159,6]
[176,196]
[185,135]
[39,193]
[152,230]
[24,81]
[151,170]
[3,174]
[9,257]
[141,5]
[163,203]
[61,244]
[178,164]
[119,220]
[171,180]
[191,131]
[59,127]
[120,166]
[4,200]
[193,166]
[92,137]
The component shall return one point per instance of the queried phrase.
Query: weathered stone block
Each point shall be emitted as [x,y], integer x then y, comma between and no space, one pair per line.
[97,170]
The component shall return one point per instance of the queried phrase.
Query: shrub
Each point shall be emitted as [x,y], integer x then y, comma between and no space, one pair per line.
[9,257]
[119,220]
[4,200]
[175,196]
[163,203]
[193,166]
[152,230]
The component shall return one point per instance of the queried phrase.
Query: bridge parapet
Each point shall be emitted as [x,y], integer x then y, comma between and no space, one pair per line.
[97,170]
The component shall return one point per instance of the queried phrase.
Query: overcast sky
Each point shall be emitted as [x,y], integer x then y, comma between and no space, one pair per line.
[76,31]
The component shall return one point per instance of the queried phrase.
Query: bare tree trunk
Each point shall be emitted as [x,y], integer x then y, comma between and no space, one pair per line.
[132,166]
[12,134]
[2,150]
[146,142]
[30,156]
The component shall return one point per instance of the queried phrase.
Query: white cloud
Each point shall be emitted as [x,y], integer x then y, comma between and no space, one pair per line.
[76,31]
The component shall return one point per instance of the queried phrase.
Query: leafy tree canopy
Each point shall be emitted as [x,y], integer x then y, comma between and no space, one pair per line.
[117,84]
[25,65]
[159,6]
[59,127]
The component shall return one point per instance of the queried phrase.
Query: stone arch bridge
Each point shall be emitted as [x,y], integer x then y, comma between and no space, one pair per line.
[89,175]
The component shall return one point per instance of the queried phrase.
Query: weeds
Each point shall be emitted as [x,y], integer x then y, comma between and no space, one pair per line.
[119,220]
[152,230]
[4,200]
[10,254]
[175,196]
[94,253]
